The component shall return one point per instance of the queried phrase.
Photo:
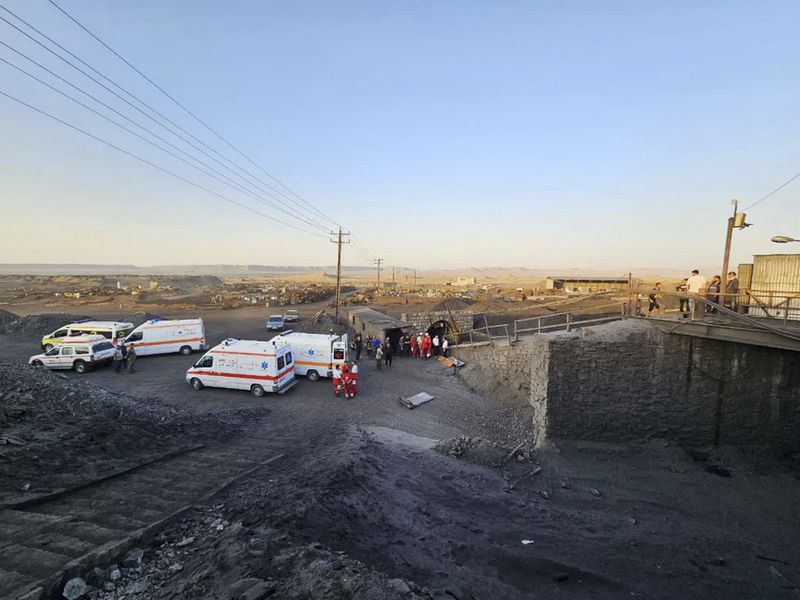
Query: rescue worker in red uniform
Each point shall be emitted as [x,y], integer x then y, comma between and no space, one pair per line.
[337,381]
[346,379]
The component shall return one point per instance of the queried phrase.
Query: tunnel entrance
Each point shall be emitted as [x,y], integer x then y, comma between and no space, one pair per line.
[439,328]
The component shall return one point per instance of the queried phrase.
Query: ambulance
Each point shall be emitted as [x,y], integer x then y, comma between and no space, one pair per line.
[257,366]
[316,353]
[111,330]
[161,336]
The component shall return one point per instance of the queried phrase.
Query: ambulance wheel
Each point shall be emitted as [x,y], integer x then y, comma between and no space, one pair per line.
[196,383]
[257,391]
[186,350]
[80,367]
[37,364]
[312,376]
[48,347]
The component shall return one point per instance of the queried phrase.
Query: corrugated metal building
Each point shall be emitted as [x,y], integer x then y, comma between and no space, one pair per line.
[775,283]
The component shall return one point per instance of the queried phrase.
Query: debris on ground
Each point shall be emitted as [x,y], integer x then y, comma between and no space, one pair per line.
[416,400]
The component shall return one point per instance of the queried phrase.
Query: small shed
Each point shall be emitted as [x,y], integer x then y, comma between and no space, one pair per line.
[370,322]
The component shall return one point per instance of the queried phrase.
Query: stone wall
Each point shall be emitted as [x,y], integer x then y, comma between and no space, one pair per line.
[423,320]
[503,371]
[627,380]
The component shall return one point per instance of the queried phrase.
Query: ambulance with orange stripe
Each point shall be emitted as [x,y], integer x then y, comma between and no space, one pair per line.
[257,366]
[161,336]
[315,354]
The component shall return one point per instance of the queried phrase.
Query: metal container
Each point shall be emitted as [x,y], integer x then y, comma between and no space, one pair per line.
[775,286]
[745,275]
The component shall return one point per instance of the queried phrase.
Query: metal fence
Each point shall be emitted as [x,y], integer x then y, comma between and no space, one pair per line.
[511,332]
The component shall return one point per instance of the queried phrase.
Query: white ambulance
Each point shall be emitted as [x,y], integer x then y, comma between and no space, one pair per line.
[246,365]
[316,353]
[111,330]
[160,336]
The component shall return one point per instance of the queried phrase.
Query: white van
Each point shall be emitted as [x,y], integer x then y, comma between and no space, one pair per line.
[80,354]
[245,365]
[316,353]
[111,330]
[159,336]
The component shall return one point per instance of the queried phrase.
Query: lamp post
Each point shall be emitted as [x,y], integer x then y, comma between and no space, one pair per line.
[783,239]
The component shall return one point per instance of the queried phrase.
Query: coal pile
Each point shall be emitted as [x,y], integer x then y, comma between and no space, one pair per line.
[57,433]
[35,325]
[477,450]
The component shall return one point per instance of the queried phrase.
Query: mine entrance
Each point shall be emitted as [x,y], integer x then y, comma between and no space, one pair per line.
[439,328]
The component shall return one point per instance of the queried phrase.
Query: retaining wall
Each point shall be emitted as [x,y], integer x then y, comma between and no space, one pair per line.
[628,380]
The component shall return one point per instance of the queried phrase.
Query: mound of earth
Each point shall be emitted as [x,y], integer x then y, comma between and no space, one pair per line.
[57,432]
[475,450]
[36,326]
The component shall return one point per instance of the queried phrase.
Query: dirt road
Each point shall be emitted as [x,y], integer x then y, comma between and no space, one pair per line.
[363,506]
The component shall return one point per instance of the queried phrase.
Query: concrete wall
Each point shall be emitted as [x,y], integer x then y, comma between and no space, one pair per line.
[627,380]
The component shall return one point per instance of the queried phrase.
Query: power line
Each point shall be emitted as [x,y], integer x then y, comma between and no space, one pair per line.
[360,250]
[190,113]
[775,191]
[222,178]
[150,108]
[151,164]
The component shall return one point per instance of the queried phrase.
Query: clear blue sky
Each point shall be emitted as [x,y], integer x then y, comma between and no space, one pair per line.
[606,135]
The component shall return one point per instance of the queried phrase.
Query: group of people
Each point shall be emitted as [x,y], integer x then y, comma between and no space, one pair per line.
[419,345]
[697,286]
[124,358]
[345,379]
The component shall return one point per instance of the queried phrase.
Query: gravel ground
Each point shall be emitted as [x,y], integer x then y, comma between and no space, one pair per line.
[399,503]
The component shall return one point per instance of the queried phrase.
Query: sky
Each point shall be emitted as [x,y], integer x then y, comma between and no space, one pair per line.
[600,135]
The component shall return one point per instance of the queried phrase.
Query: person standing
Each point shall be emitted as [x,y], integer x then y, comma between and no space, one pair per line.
[375,343]
[682,288]
[369,345]
[387,352]
[413,346]
[123,360]
[445,346]
[337,380]
[731,299]
[131,359]
[117,359]
[378,357]
[712,294]
[435,343]
[359,346]
[354,380]
[695,285]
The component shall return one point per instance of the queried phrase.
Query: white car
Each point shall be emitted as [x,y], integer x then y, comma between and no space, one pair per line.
[275,323]
[291,316]
[77,356]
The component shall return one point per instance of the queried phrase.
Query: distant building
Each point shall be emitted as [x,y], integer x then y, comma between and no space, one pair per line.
[464,281]
[586,285]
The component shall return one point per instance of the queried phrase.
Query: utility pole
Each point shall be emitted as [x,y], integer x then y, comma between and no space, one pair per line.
[734,222]
[339,241]
[392,275]
[378,262]
[415,279]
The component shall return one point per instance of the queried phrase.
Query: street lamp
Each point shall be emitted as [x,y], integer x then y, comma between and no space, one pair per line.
[783,239]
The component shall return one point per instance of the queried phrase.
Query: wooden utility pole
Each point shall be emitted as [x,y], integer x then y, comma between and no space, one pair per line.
[339,241]
[737,221]
[378,262]
[393,275]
